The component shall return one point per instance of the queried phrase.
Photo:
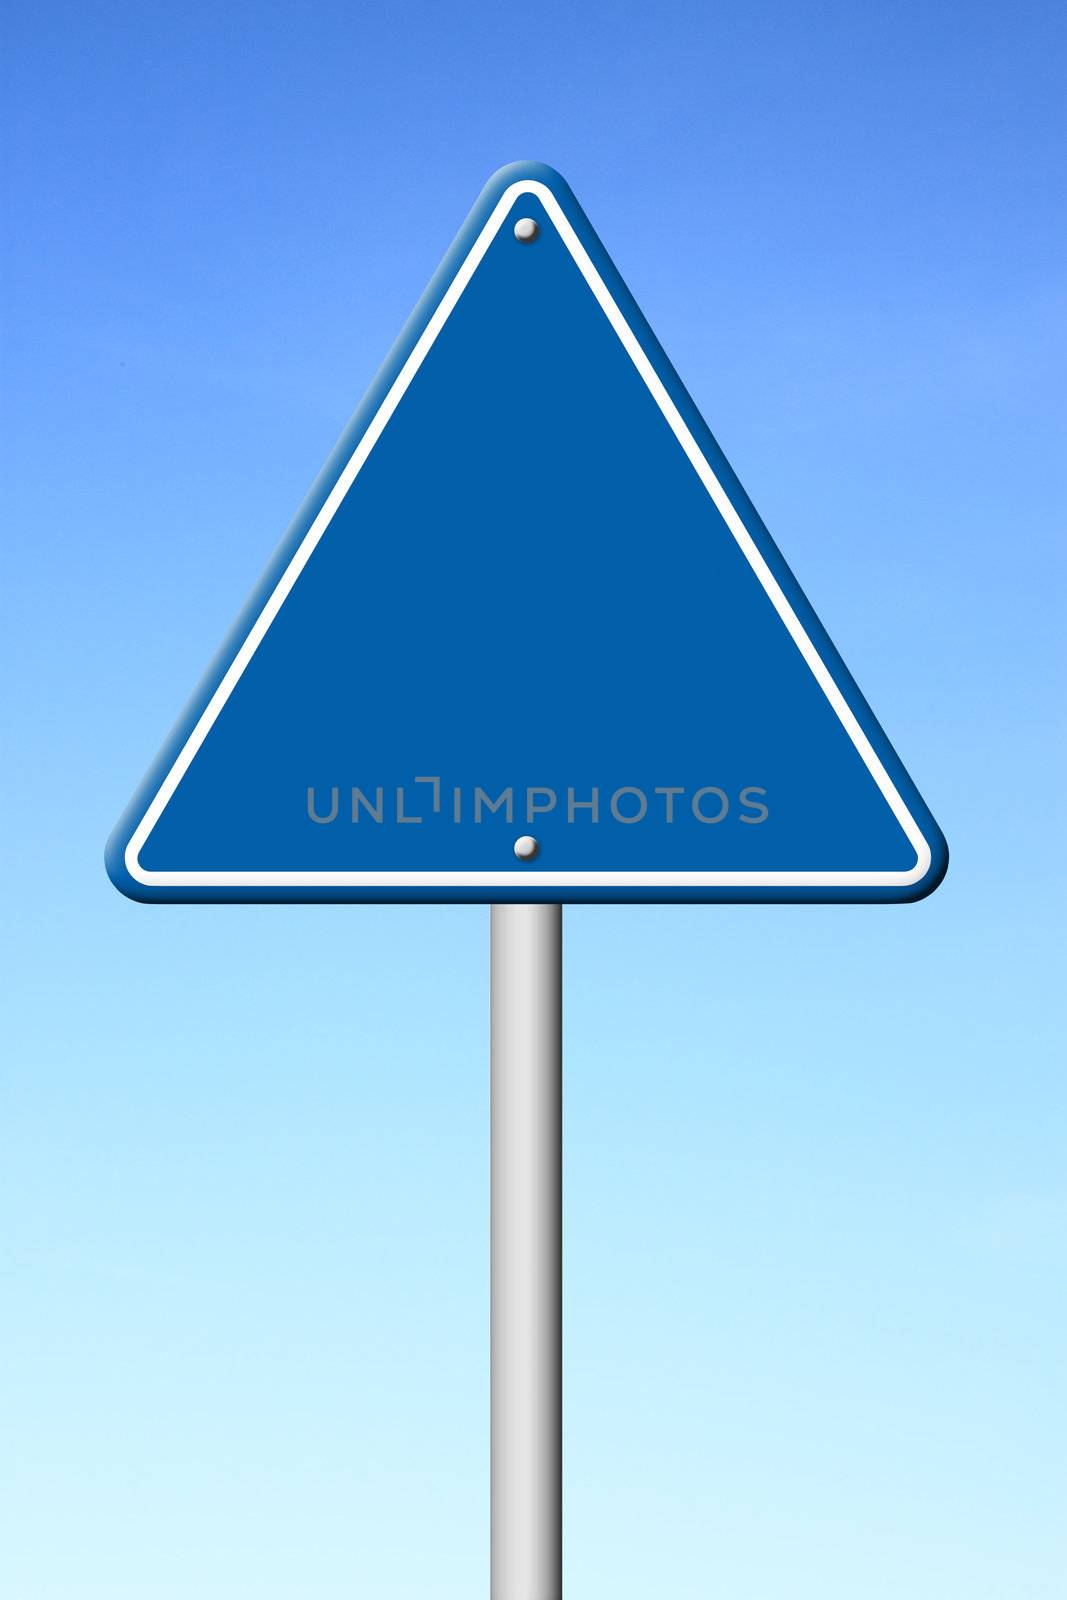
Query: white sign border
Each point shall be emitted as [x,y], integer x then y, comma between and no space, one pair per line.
[533,880]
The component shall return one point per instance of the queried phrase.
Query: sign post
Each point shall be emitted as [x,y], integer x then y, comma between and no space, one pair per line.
[527,643]
[526,1251]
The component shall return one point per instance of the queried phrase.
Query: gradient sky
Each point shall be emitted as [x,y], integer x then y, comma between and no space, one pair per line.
[816,1158]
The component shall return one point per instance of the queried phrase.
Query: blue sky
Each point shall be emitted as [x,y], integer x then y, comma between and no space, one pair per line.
[816,1158]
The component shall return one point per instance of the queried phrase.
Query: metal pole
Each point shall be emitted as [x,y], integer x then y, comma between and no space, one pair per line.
[526,1252]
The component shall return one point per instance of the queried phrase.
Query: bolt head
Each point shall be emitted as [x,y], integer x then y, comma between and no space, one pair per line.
[526,230]
[526,847]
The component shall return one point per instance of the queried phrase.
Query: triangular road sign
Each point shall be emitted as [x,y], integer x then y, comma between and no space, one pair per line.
[527,639]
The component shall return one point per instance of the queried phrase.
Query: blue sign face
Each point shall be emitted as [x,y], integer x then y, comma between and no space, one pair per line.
[527,639]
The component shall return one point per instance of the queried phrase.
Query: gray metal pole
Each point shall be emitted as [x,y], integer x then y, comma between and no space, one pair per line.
[526,1252]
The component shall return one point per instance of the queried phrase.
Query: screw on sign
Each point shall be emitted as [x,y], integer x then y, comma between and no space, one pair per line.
[731,759]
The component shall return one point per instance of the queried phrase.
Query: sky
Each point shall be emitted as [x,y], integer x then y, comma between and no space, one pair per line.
[815,1157]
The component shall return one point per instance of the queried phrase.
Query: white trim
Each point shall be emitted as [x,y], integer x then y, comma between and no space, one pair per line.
[534,880]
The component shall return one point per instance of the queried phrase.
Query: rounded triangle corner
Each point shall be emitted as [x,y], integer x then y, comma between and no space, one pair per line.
[936,868]
[531,172]
[115,864]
